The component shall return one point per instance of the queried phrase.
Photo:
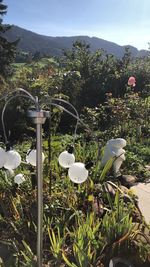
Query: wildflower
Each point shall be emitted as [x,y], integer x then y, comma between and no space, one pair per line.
[131,81]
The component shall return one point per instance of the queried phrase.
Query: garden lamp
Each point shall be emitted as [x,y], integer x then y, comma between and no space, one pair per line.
[31,157]
[10,159]
[66,158]
[19,179]
[78,172]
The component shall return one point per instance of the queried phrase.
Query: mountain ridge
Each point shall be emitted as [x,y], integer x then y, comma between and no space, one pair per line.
[33,42]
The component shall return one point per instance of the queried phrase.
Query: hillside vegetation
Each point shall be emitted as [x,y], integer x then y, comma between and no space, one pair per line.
[53,46]
[88,224]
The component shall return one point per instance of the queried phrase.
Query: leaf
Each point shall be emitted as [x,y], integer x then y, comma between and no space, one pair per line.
[116,186]
[68,262]
[28,249]
[108,197]
[106,168]
[17,215]
[116,202]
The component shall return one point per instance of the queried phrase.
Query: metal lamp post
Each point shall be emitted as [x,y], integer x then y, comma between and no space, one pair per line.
[38,117]
[78,172]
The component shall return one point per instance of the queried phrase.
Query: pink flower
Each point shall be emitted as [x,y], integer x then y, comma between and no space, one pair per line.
[131,81]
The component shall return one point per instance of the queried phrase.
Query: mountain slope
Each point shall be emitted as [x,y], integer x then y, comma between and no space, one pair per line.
[32,42]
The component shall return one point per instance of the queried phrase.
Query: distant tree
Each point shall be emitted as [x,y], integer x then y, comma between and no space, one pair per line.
[7,49]
[127,57]
[36,56]
[97,75]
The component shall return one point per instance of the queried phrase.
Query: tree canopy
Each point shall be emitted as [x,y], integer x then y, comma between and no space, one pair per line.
[7,49]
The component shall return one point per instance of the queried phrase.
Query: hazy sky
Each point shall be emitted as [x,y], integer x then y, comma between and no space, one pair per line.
[120,21]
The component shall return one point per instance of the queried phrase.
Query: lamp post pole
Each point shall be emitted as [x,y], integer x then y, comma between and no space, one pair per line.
[39,118]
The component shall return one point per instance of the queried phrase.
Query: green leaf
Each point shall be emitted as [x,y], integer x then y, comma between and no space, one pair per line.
[68,262]
[106,168]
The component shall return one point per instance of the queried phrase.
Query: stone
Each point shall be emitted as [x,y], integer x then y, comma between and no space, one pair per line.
[98,208]
[109,188]
[142,191]
[127,180]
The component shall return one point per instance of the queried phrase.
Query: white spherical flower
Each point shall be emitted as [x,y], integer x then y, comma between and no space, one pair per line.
[13,160]
[78,173]
[2,157]
[31,157]
[19,179]
[66,159]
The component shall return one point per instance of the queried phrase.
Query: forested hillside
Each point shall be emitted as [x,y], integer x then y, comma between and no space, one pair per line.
[53,46]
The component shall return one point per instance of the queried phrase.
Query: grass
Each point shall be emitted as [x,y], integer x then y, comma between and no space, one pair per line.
[74,233]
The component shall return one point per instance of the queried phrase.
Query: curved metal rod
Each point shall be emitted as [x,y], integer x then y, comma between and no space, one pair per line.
[66,110]
[5,106]
[76,117]
[68,103]
[82,123]
[23,91]
[76,112]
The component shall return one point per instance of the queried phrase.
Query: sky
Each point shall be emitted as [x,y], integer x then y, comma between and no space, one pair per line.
[121,21]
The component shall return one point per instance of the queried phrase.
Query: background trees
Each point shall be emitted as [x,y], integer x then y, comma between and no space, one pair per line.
[7,49]
[83,77]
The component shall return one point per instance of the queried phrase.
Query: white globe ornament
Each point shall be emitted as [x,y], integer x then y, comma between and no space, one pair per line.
[13,160]
[31,157]
[66,159]
[2,157]
[78,173]
[19,179]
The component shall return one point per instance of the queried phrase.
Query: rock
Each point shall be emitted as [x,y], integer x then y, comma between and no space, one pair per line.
[142,191]
[127,180]
[97,207]
[109,188]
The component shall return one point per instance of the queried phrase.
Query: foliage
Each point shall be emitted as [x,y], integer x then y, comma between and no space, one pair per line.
[86,239]
[84,225]
[120,223]
[56,243]
[74,234]
[7,49]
